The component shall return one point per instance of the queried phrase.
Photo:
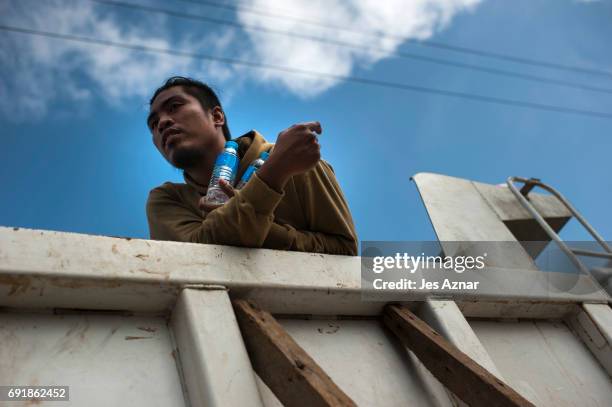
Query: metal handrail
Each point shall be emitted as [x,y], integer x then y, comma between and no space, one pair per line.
[529,184]
[589,253]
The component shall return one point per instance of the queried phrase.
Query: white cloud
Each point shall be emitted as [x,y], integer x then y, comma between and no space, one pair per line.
[405,19]
[38,72]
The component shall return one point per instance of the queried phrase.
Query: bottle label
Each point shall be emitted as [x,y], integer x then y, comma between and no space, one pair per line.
[225,168]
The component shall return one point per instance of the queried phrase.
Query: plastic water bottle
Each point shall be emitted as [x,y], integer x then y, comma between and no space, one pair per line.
[255,165]
[226,167]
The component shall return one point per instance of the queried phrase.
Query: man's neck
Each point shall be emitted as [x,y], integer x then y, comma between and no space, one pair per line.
[202,172]
[203,168]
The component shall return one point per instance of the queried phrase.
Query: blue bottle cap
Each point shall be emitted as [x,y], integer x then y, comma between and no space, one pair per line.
[264,155]
[231,144]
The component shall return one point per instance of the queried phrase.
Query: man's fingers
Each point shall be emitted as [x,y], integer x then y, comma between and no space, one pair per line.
[205,206]
[226,187]
[313,126]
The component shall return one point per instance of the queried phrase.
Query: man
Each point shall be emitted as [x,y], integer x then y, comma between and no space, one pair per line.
[292,203]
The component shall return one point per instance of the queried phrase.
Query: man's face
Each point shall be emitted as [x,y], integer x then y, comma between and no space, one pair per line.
[182,130]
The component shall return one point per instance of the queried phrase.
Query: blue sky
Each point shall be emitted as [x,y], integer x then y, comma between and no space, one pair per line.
[77,155]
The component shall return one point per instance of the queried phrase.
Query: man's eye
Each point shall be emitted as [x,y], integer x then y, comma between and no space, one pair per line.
[174,106]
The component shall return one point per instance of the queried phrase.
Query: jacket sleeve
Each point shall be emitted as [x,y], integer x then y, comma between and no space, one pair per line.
[244,220]
[330,227]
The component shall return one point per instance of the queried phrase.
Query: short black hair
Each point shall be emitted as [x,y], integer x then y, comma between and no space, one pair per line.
[202,92]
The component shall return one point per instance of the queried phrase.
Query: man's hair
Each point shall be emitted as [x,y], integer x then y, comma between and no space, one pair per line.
[202,92]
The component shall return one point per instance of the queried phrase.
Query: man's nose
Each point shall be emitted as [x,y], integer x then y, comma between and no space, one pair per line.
[165,121]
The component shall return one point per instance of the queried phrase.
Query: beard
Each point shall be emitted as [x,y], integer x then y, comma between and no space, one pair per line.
[185,158]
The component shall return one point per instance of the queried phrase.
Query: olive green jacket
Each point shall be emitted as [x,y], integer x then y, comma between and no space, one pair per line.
[311,215]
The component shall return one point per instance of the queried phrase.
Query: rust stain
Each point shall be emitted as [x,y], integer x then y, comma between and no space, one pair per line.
[84,331]
[108,337]
[147,329]
[64,283]
[32,402]
[19,284]
[331,329]
[173,354]
[142,256]
[112,332]
[114,249]
[74,338]
[53,253]
[131,338]
[165,274]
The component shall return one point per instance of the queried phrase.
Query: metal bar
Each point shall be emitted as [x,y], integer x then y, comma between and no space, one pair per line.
[567,204]
[216,368]
[590,253]
[516,309]
[40,269]
[543,223]
[529,185]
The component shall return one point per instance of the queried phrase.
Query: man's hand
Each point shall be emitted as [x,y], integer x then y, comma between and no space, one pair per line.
[296,151]
[207,207]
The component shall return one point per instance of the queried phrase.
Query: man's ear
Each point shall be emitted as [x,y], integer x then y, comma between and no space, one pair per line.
[218,116]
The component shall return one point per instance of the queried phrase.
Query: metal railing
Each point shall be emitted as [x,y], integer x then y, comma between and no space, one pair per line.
[572,253]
